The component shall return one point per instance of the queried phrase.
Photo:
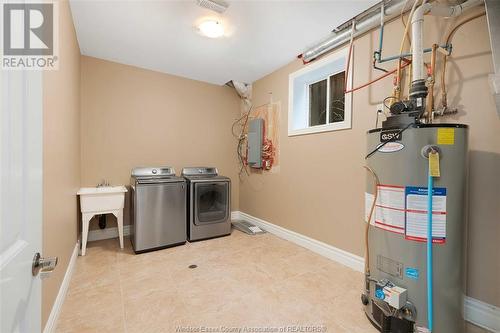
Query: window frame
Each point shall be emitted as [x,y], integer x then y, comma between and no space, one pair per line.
[303,72]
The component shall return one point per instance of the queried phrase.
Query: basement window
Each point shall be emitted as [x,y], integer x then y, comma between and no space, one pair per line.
[317,99]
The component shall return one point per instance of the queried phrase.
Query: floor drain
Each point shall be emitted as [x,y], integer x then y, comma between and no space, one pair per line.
[193,266]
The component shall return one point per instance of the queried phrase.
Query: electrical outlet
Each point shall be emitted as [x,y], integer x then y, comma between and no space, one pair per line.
[380,108]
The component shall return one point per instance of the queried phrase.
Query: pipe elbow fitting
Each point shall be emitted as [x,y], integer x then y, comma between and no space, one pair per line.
[419,13]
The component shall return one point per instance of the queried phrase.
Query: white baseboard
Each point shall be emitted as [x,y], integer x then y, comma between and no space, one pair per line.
[482,314]
[348,259]
[50,326]
[476,312]
[107,233]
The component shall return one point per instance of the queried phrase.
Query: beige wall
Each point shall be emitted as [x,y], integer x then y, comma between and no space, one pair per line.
[135,117]
[319,191]
[61,156]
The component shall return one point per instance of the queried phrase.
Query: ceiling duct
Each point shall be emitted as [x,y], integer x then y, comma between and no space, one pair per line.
[216,6]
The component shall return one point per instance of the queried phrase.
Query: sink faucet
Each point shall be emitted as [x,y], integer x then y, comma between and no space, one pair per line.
[103,183]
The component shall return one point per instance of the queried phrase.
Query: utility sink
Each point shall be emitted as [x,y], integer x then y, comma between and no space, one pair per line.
[102,199]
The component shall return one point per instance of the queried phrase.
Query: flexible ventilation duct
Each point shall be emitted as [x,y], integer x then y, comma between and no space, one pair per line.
[368,21]
[371,20]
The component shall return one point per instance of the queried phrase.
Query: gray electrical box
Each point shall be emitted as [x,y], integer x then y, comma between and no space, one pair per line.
[255,138]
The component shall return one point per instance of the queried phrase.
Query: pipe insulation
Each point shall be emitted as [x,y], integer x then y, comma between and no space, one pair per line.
[371,21]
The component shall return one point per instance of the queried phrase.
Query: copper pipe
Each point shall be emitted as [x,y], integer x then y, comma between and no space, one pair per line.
[444,97]
[397,87]
[407,62]
[430,95]
[410,79]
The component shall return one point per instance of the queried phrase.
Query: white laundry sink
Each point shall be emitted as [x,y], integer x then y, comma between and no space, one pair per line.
[102,199]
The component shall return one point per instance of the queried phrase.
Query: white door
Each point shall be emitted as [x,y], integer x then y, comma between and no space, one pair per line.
[20,199]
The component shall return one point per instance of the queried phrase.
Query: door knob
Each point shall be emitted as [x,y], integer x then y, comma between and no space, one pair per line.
[44,265]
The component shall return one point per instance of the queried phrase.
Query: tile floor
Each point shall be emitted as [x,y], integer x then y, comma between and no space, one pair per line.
[241,281]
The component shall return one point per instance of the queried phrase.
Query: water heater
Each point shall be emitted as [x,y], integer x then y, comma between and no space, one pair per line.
[396,296]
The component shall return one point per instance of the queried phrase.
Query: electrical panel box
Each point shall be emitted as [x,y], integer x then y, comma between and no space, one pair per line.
[255,140]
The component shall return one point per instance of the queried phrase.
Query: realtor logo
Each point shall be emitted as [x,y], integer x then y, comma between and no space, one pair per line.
[29,36]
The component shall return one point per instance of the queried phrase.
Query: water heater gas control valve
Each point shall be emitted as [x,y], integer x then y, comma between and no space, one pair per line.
[393,295]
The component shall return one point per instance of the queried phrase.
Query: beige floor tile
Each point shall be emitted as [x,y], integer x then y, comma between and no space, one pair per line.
[95,309]
[240,280]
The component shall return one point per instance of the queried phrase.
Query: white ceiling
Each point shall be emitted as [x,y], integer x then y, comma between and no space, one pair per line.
[161,35]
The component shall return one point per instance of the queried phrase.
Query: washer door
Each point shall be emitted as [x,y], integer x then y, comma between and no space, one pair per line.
[211,202]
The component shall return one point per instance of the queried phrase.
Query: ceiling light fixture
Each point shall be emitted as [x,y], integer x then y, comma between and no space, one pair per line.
[211,29]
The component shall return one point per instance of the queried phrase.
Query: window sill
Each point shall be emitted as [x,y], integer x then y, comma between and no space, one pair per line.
[319,129]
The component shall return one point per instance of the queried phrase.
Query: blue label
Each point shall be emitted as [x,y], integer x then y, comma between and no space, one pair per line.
[423,190]
[411,273]
[379,294]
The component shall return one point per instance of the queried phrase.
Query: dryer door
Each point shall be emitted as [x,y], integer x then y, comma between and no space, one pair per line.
[211,202]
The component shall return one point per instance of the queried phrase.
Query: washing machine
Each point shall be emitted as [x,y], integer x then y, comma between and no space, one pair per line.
[157,209]
[208,203]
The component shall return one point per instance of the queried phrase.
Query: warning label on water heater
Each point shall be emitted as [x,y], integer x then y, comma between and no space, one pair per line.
[390,208]
[403,210]
[416,214]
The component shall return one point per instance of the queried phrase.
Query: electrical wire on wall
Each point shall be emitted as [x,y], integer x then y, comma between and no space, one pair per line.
[239,126]
[240,135]
[268,151]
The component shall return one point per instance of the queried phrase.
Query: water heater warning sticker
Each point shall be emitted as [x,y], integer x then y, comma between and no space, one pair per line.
[416,214]
[446,136]
[390,208]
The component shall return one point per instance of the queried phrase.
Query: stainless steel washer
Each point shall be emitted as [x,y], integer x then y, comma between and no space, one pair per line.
[158,208]
[209,203]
